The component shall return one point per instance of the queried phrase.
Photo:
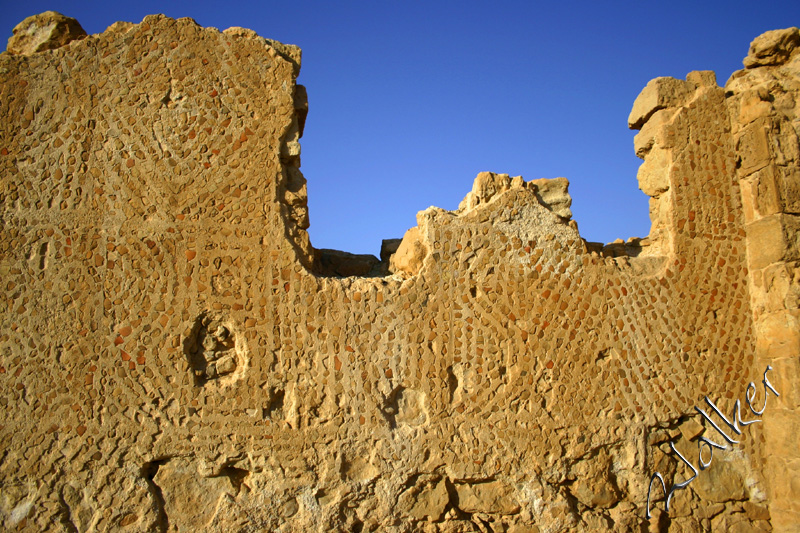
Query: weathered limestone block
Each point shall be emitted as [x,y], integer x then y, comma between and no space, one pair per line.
[681,508]
[785,369]
[656,131]
[690,429]
[778,334]
[238,31]
[45,31]
[702,78]
[784,487]
[120,27]
[738,523]
[660,210]
[410,253]
[427,499]
[777,288]
[409,408]
[772,48]
[188,498]
[721,482]
[783,426]
[653,175]
[491,497]
[658,94]
[487,185]
[554,195]
[778,237]
[773,189]
[520,209]
[344,264]
[360,469]
[754,105]
[595,484]
[17,504]
[756,511]
[785,521]
[81,511]
[296,198]
[389,247]
[771,139]
[300,103]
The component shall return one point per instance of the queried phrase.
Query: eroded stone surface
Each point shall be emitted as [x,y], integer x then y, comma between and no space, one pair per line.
[46,31]
[772,48]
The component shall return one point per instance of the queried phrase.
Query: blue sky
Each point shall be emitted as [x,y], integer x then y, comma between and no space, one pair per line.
[408,101]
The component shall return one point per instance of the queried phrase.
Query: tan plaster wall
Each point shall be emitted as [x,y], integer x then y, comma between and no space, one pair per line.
[171,357]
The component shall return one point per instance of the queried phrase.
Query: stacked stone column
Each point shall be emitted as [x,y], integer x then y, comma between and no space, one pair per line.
[764,121]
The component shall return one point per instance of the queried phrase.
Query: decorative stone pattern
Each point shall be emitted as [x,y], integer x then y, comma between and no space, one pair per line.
[175,356]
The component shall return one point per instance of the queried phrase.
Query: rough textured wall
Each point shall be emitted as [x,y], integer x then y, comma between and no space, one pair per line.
[765,115]
[174,355]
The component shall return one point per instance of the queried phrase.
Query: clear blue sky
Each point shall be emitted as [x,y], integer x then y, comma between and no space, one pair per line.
[410,100]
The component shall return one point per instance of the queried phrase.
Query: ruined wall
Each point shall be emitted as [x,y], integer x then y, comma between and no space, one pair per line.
[765,116]
[174,355]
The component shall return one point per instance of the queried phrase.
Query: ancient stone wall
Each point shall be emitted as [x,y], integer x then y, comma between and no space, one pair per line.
[174,355]
[765,120]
